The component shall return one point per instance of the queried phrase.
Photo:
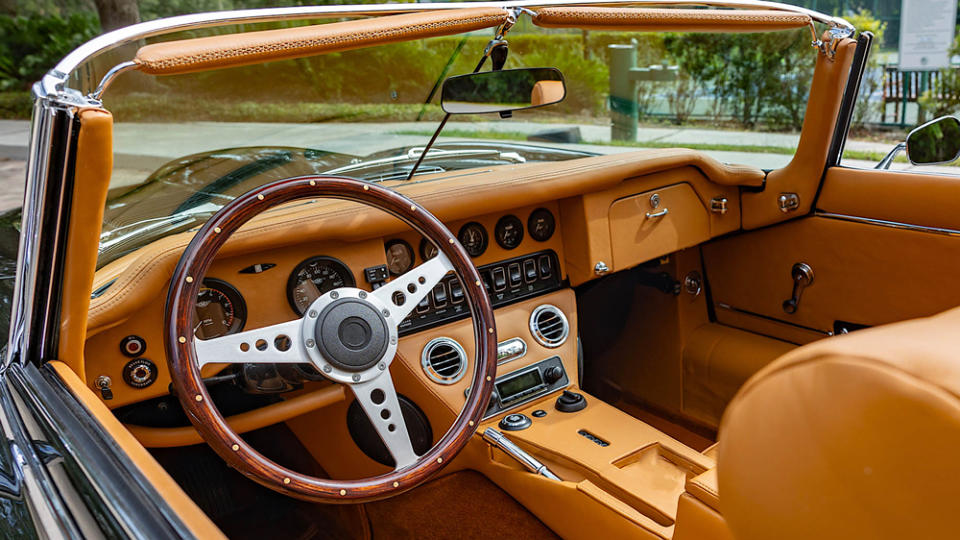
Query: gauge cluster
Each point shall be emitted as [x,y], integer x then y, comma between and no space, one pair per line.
[516,255]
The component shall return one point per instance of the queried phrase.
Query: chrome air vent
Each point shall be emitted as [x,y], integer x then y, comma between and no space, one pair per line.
[444,360]
[549,326]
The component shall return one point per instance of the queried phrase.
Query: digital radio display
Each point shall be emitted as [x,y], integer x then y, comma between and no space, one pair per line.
[519,384]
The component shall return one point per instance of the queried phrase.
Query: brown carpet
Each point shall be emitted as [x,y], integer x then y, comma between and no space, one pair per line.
[462,505]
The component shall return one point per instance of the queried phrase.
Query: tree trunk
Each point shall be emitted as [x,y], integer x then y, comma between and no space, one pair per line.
[117,13]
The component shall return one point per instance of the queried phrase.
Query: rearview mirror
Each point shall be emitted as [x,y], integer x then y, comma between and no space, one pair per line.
[937,141]
[502,91]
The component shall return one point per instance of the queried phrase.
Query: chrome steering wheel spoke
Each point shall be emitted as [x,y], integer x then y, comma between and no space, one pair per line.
[406,291]
[379,401]
[276,344]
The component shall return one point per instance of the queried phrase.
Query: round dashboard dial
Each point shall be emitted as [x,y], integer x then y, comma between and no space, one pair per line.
[473,237]
[427,249]
[314,277]
[541,224]
[509,231]
[220,310]
[399,257]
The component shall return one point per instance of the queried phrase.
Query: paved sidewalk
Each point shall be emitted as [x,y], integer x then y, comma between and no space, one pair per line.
[12,177]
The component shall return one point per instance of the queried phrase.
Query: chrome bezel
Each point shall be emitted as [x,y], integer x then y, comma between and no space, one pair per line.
[329,370]
[428,368]
[535,331]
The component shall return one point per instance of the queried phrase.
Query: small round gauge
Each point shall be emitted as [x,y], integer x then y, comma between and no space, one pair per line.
[399,257]
[473,237]
[427,249]
[541,224]
[220,310]
[509,231]
[315,277]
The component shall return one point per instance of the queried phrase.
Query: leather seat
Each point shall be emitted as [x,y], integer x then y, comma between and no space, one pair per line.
[855,436]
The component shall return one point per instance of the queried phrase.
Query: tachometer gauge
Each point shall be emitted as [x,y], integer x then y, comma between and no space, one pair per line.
[541,224]
[315,277]
[427,249]
[509,231]
[220,310]
[474,238]
[399,257]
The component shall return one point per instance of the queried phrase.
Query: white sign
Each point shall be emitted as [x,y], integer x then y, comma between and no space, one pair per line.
[926,34]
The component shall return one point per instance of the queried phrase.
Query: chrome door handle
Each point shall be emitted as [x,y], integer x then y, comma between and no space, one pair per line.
[802,276]
[659,214]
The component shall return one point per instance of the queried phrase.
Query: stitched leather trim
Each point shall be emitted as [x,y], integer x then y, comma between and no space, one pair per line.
[201,54]
[690,20]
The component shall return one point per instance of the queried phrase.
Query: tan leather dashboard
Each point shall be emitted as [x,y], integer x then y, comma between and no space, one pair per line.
[600,203]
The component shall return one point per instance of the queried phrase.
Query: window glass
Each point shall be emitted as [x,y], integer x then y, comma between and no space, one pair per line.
[185,145]
[891,102]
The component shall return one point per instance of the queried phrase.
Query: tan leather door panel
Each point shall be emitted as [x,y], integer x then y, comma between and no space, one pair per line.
[926,200]
[865,272]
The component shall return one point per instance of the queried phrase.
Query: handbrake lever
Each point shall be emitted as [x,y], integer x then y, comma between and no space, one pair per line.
[495,438]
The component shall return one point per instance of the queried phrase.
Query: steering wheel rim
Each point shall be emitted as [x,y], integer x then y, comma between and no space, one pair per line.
[182,346]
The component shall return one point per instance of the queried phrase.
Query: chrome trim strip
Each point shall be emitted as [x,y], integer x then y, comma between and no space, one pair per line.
[43,211]
[890,224]
[735,309]
[55,80]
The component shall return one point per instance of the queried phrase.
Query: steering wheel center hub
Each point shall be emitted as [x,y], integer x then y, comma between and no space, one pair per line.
[351,334]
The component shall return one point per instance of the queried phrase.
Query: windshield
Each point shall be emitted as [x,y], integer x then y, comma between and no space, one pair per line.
[185,145]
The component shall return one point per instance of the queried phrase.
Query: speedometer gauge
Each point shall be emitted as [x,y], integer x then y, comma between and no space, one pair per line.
[220,310]
[315,277]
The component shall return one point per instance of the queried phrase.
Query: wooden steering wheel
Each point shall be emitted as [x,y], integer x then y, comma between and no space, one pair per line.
[348,334]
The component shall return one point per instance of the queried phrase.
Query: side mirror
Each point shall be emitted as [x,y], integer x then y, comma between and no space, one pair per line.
[502,91]
[937,141]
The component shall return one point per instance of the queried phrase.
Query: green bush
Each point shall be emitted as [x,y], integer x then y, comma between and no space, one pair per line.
[15,105]
[754,77]
[944,97]
[30,46]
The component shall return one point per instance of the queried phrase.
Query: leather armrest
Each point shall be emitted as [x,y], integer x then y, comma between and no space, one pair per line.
[704,488]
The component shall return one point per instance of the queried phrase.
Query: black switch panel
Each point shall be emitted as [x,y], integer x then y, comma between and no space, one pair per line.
[375,274]
[506,282]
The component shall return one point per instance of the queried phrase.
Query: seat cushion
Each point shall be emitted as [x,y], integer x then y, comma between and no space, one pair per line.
[855,436]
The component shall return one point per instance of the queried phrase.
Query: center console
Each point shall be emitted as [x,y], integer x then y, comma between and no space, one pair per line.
[612,458]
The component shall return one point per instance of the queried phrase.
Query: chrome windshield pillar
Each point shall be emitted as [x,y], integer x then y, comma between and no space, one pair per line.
[35,307]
